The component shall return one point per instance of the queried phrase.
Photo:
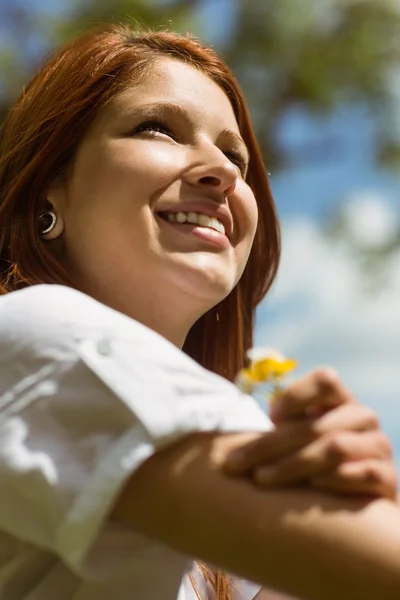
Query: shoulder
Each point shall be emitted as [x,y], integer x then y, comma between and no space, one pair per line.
[42,301]
[53,326]
[49,304]
[56,311]
[50,324]
[59,322]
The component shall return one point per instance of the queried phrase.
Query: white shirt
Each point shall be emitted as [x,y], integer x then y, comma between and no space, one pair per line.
[87,394]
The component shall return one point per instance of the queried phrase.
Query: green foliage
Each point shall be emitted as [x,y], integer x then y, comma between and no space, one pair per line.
[314,53]
[175,15]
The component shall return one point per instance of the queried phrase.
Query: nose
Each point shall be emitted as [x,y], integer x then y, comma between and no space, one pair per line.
[213,170]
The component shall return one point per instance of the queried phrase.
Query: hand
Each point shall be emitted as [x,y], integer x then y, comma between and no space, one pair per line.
[322,438]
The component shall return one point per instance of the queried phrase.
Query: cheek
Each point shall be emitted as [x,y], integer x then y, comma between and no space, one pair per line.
[108,213]
[248,215]
[254,218]
[112,187]
[123,172]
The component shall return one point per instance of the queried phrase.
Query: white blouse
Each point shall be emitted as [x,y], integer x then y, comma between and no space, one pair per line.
[86,395]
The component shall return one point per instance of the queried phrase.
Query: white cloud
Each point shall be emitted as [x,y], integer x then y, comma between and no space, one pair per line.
[319,313]
[370,222]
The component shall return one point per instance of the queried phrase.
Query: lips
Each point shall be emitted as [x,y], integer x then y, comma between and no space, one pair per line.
[205,207]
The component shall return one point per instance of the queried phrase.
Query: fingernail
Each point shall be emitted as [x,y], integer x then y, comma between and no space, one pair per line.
[265,474]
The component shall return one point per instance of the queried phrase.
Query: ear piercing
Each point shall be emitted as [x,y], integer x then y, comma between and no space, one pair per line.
[53,220]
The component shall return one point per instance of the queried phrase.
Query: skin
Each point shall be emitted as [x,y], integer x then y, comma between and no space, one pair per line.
[109,213]
[300,542]
[111,237]
[318,423]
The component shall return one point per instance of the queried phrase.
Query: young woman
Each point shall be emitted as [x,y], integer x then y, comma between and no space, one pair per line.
[131,179]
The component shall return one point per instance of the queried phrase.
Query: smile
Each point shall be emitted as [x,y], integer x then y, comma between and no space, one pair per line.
[208,229]
[194,218]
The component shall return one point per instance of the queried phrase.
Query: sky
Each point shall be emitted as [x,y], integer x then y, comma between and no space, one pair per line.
[319,310]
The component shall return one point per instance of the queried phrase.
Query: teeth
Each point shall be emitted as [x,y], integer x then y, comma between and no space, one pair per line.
[192,218]
[205,221]
[181,217]
[215,224]
[196,219]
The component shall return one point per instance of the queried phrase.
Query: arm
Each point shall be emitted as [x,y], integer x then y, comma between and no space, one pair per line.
[301,542]
[88,396]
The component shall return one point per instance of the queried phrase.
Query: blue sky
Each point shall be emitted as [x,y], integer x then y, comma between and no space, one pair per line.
[318,310]
[348,162]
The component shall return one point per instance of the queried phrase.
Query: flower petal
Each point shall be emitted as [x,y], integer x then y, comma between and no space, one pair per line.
[264,353]
[245,381]
[269,369]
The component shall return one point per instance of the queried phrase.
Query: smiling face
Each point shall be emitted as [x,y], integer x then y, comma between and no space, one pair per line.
[157,214]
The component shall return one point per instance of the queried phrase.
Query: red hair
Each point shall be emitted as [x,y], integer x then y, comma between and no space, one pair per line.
[39,141]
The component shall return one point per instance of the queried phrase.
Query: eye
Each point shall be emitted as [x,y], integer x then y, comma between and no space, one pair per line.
[155,128]
[237,159]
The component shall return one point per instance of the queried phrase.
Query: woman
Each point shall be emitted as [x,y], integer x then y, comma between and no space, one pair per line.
[130,176]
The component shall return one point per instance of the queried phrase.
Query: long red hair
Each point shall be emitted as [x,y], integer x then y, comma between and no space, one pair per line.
[39,141]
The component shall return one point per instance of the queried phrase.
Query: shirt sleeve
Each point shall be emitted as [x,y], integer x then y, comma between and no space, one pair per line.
[87,394]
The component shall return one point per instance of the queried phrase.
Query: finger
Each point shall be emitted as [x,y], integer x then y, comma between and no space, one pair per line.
[347,417]
[318,391]
[323,456]
[289,437]
[370,477]
[348,446]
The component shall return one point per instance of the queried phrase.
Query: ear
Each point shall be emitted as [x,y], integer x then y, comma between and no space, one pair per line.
[51,222]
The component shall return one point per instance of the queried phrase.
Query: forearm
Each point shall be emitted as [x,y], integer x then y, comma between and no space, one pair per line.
[300,542]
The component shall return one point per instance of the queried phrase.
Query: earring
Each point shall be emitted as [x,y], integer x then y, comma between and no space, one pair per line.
[53,220]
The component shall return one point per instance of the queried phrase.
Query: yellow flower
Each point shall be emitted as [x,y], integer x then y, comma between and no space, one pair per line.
[270,369]
[244,381]
[266,366]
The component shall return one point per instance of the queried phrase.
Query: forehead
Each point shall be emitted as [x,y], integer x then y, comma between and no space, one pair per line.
[174,81]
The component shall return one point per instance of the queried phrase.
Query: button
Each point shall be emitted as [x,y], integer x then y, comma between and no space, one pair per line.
[104,347]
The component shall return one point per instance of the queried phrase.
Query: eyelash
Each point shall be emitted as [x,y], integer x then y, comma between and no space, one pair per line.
[158,127]
[237,160]
[155,127]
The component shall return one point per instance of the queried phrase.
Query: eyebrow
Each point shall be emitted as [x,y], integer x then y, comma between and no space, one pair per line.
[161,107]
[170,107]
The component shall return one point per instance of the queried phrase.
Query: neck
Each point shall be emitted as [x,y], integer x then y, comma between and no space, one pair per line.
[167,319]
[170,317]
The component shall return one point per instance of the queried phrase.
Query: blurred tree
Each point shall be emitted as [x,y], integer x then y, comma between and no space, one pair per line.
[286,53]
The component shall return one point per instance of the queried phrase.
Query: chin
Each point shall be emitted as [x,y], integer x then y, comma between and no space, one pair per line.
[205,276]
[208,286]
